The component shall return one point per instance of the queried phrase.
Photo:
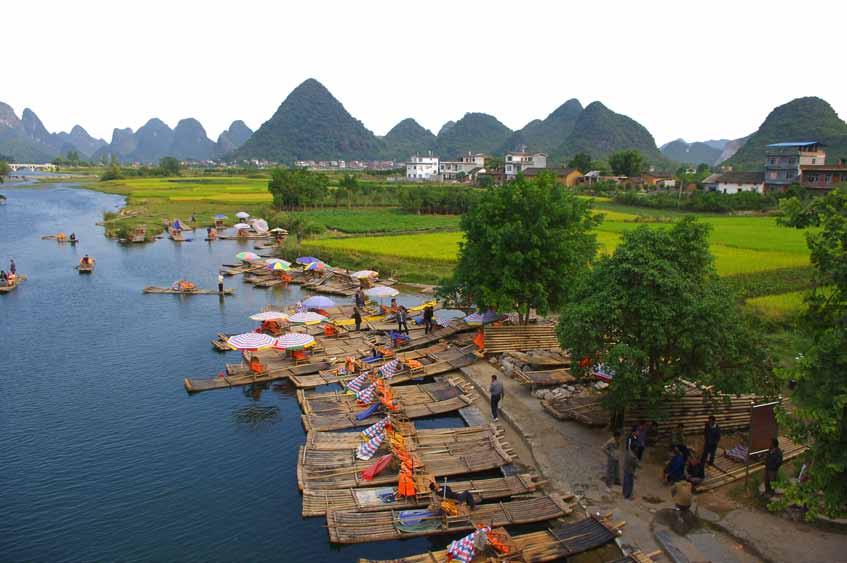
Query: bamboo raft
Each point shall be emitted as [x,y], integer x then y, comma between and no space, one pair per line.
[361,527]
[320,469]
[440,333]
[556,544]
[169,290]
[586,409]
[416,439]
[544,378]
[540,336]
[337,411]
[8,288]
[433,364]
[329,349]
[727,470]
[86,268]
[235,269]
[248,378]
[541,359]
[318,502]
[250,236]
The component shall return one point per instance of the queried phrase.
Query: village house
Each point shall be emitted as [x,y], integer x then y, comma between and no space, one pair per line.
[735,182]
[659,179]
[423,168]
[784,160]
[823,177]
[520,161]
[565,176]
[463,168]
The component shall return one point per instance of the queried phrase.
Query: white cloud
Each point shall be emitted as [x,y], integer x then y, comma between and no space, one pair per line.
[688,69]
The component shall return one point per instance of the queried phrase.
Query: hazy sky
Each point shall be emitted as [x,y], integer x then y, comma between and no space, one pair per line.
[698,70]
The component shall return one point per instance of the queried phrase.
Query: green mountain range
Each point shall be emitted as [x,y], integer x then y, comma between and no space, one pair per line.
[475,132]
[802,119]
[546,135]
[407,138]
[692,153]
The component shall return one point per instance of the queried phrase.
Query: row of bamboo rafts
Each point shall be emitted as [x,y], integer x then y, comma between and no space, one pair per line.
[440,333]
[428,438]
[317,502]
[340,469]
[727,470]
[346,526]
[244,267]
[693,410]
[430,365]
[540,336]
[566,540]
[337,411]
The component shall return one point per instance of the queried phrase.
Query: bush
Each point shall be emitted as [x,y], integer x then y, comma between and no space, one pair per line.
[712,202]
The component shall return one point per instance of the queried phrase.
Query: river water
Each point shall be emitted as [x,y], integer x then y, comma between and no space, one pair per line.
[103,456]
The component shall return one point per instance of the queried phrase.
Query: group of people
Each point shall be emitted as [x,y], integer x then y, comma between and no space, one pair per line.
[9,278]
[400,312]
[685,471]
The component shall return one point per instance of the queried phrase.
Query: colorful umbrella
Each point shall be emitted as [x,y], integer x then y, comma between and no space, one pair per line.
[242,215]
[307,260]
[220,216]
[365,274]
[381,291]
[247,256]
[240,226]
[269,316]
[308,318]
[477,319]
[315,266]
[277,260]
[318,302]
[279,267]
[251,341]
[294,341]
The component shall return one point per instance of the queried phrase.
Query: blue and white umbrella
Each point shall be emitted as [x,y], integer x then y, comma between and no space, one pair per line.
[318,302]
[306,260]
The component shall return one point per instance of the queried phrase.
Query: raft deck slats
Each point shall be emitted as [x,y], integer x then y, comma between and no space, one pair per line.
[226,381]
[426,438]
[316,502]
[361,527]
[168,290]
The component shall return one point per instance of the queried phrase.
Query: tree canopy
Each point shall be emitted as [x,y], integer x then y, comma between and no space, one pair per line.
[169,166]
[525,243]
[655,311]
[628,162]
[819,416]
[5,170]
[581,161]
[296,188]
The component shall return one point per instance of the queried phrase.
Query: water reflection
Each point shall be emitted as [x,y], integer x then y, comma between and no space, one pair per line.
[256,417]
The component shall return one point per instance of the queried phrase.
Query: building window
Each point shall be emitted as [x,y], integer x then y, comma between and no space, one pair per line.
[827,178]
[812,178]
[814,160]
[771,161]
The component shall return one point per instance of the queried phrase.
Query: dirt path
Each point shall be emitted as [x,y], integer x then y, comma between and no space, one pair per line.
[568,455]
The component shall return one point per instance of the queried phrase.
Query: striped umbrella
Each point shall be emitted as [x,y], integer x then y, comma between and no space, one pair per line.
[242,215]
[294,341]
[307,318]
[277,260]
[381,291]
[279,267]
[241,226]
[477,319]
[366,450]
[247,256]
[251,341]
[269,316]
[388,370]
[315,266]
[307,260]
[374,429]
[318,302]
[358,383]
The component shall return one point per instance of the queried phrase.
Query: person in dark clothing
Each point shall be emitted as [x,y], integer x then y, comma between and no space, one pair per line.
[402,316]
[12,267]
[357,318]
[773,461]
[711,439]
[428,315]
[630,465]
[445,491]
[632,439]
[496,391]
[675,469]
[695,471]
[360,298]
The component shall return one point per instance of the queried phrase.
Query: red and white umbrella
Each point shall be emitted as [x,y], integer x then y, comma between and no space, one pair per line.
[251,341]
[294,341]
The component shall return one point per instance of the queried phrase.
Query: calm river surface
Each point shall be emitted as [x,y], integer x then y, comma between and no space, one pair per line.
[103,456]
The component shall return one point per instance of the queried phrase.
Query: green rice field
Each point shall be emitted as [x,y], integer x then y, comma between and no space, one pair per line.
[780,306]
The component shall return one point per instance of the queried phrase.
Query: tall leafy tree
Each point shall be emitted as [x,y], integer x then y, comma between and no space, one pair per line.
[525,244]
[819,416]
[169,166]
[655,311]
[296,188]
[628,162]
[5,170]
[581,161]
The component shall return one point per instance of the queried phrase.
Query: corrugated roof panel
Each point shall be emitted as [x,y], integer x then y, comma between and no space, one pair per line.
[794,144]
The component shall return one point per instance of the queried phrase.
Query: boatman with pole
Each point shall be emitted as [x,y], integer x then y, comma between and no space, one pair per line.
[220,282]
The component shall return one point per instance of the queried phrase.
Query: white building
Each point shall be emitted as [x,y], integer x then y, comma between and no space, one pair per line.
[517,162]
[734,182]
[465,164]
[422,168]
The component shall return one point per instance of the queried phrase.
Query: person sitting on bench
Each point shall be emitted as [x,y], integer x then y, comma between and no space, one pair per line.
[445,491]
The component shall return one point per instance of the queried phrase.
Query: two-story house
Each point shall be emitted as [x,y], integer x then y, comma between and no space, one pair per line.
[516,162]
[464,166]
[783,162]
[422,168]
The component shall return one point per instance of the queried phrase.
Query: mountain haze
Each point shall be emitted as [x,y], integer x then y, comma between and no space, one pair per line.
[232,138]
[691,153]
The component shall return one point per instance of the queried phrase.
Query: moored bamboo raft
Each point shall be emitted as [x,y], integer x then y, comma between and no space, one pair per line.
[317,469]
[225,381]
[587,409]
[440,333]
[6,288]
[431,438]
[199,291]
[555,544]
[316,502]
[543,378]
[726,470]
[541,336]
[361,527]
[416,402]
